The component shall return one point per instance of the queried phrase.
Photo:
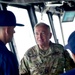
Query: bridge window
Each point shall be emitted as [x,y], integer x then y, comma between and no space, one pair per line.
[23,38]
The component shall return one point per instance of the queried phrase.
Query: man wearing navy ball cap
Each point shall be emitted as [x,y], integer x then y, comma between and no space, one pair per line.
[8,61]
[71,44]
[71,47]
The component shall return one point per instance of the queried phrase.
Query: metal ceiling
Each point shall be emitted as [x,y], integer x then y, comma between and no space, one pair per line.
[66,4]
[24,2]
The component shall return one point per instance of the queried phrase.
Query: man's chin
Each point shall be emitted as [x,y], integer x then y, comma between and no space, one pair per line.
[41,44]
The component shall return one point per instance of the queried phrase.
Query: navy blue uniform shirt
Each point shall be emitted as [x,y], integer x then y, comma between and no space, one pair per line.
[70,72]
[8,61]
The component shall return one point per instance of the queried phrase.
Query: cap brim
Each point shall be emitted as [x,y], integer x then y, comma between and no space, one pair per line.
[19,25]
[67,46]
[70,48]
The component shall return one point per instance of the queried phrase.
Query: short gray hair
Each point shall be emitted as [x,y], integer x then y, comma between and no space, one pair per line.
[42,24]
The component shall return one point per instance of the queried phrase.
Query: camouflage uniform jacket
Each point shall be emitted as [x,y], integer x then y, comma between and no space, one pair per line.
[49,62]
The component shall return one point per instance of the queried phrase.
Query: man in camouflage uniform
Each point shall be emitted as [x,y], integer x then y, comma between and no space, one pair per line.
[45,58]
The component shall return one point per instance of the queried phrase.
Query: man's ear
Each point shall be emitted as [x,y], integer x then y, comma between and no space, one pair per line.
[6,30]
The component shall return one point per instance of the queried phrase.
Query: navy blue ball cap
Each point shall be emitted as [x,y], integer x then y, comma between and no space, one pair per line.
[71,42]
[7,18]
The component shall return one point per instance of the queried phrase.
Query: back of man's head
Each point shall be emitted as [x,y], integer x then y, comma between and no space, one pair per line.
[7,24]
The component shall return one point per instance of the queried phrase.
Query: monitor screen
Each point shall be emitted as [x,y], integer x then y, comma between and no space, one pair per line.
[68,16]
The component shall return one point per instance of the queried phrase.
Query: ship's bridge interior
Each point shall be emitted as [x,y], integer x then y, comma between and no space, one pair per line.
[64,9]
